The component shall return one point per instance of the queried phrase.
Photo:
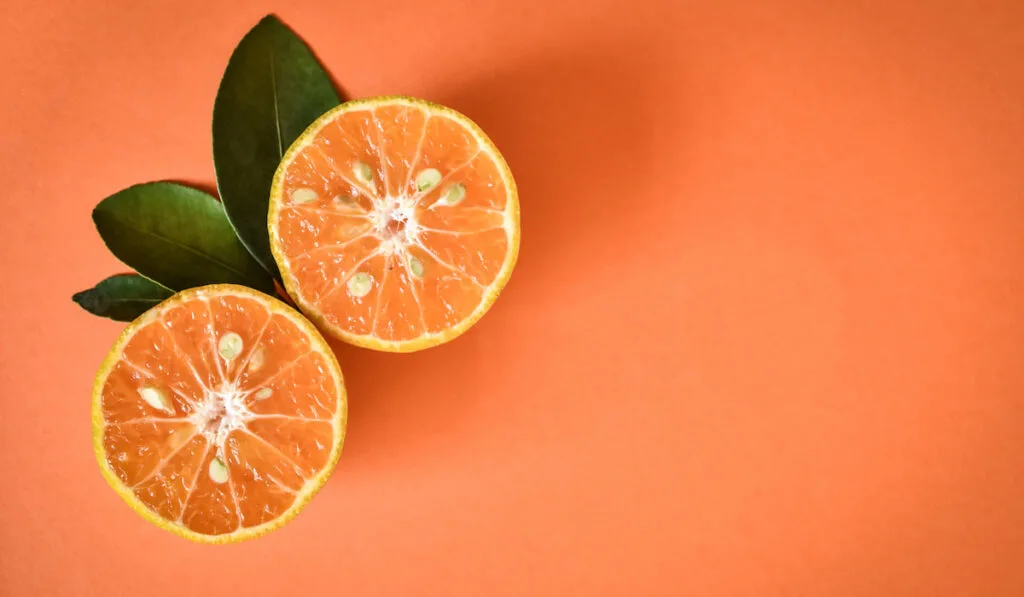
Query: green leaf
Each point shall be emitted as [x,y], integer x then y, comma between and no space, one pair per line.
[122,297]
[273,88]
[177,236]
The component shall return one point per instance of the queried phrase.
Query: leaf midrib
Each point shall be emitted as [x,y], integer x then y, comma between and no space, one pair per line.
[277,111]
[135,300]
[175,243]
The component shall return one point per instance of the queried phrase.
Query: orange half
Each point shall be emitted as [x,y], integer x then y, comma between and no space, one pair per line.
[218,414]
[395,223]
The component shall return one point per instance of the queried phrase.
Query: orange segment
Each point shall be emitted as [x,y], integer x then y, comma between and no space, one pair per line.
[349,148]
[210,504]
[448,146]
[353,311]
[167,490]
[139,448]
[476,255]
[426,233]
[267,482]
[325,269]
[190,328]
[325,228]
[398,314]
[246,318]
[154,358]
[466,220]
[219,414]
[300,388]
[400,129]
[121,402]
[304,442]
[278,351]
[447,298]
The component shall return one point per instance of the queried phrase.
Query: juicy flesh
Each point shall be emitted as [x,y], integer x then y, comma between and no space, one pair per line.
[263,416]
[400,253]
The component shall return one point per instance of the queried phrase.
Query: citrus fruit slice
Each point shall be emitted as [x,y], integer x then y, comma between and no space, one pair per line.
[218,414]
[395,223]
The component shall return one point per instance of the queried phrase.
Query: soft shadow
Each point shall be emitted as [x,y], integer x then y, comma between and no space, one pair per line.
[342,93]
[576,130]
[400,405]
[202,185]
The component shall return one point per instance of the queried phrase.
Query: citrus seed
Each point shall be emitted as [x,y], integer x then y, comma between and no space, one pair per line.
[157,399]
[416,267]
[218,471]
[230,345]
[455,194]
[363,172]
[427,179]
[256,360]
[303,195]
[359,284]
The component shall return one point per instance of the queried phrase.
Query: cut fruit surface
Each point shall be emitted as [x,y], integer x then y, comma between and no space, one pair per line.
[219,413]
[394,222]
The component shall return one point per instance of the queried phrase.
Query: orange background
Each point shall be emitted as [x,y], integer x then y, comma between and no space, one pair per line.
[765,336]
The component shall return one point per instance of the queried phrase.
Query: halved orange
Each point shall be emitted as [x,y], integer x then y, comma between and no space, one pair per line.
[395,223]
[218,414]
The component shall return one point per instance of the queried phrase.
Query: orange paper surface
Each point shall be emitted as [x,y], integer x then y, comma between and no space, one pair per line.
[765,336]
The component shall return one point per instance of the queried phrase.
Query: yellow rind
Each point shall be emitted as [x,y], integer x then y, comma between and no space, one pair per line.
[427,340]
[311,487]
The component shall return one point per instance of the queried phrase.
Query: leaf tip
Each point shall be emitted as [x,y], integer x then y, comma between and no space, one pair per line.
[270,19]
[86,299]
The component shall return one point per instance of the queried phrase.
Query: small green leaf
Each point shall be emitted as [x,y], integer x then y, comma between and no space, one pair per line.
[273,88]
[122,297]
[177,236]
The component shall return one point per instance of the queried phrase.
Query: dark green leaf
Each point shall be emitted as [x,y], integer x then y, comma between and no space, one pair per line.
[273,88]
[122,297]
[177,236]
